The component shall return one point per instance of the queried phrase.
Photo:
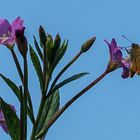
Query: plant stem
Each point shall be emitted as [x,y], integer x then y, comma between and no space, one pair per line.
[21,115]
[59,113]
[25,83]
[62,71]
[30,111]
[42,102]
[17,64]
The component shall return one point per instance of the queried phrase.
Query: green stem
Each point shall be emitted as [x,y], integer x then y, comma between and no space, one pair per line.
[62,71]
[30,111]
[17,64]
[25,83]
[42,102]
[21,115]
[59,113]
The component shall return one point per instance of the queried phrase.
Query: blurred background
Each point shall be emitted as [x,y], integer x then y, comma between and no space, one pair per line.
[110,110]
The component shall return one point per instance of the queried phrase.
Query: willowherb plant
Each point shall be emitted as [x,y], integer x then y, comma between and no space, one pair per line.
[45,59]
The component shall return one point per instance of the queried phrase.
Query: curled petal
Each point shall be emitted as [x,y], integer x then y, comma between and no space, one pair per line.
[125,64]
[125,73]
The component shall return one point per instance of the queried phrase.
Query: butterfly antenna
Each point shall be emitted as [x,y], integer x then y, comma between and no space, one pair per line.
[126,38]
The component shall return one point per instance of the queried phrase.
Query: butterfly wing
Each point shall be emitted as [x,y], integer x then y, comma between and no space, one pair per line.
[133,66]
[137,59]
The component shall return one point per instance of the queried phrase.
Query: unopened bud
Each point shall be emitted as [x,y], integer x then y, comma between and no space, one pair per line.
[21,42]
[87,45]
[42,35]
[49,37]
[57,41]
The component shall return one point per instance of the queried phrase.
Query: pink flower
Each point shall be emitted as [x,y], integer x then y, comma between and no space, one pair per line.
[116,59]
[2,120]
[7,31]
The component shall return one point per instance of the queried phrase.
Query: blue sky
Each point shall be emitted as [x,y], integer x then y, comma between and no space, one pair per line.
[110,110]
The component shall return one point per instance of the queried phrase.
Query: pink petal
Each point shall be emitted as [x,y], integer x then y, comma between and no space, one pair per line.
[4,127]
[4,26]
[125,73]
[113,43]
[17,24]
[8,40]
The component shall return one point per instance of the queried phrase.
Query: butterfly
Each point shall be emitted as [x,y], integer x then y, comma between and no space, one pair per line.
[134,53]
[134,60]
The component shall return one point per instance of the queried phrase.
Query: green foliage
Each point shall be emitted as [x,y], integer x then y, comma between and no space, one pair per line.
[51,107]
[70,79]
[37,66]
[12,85]
[16,91]
[59,55]
[12,120]
[38,49]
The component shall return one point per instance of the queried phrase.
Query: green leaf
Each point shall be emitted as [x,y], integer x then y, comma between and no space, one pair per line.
[12,121]
[50,108]
[68,80]
[42,35]
[37,66]
[38,48]
[16,91]
[61,51]
[54,102]
[12,85]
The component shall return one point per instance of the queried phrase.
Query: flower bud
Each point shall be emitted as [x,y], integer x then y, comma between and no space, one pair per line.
[57,41]
[42,35]
[87,45]
[21,42]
